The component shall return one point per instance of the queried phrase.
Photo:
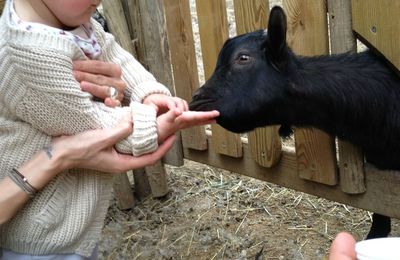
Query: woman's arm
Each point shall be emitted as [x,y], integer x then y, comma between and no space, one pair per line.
[91,150]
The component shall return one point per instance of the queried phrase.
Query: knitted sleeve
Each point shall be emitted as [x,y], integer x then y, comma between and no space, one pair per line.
[47,96]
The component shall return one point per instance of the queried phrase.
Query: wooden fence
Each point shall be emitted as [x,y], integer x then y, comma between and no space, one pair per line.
[162,34]
[159,33]
[316,165]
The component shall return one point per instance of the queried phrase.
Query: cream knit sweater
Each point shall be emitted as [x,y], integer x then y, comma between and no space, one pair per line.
[40,98]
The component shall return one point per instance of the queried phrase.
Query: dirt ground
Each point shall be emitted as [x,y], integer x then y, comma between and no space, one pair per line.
[215,214]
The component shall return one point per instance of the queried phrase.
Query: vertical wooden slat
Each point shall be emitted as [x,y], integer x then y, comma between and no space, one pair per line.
[141,27]
[183,58]
[142,185]
[251,15]
[265,143]
[157,58]
[351,159]
[308,35]
[2,2]
[114,15]
[213,29]
[376,23]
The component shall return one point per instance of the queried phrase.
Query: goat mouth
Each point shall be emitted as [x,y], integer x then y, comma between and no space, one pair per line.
[202,105]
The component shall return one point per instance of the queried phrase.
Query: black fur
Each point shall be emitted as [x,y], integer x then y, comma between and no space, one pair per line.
[259,81]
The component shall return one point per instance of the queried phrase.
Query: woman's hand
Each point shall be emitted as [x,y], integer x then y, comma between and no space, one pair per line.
[92,149]
[96,77]
[95,150]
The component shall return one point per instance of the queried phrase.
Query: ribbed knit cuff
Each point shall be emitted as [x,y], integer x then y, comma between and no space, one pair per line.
[147,88]
[145,139]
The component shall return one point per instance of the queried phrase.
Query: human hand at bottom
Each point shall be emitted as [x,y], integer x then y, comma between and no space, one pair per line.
[343,247]
[171,122]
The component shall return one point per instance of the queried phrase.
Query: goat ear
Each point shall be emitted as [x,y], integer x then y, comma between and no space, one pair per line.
[276,37]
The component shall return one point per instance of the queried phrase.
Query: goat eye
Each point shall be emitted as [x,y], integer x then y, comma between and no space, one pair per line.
[243,59]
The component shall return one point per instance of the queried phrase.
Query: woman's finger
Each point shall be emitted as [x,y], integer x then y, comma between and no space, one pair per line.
[101,91]
[343,247]
[109,137]
[98,67]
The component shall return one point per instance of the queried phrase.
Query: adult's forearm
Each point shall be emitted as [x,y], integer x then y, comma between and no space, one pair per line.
[39,171]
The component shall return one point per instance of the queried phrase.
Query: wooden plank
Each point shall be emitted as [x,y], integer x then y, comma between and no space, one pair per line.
[123,191]
[351,159]
[183,58]
[157,178]
[117,25]
[265,143]
[381,196]
[142,186]
[114,14]
[2,2]
[213,27]
[134,22]
[308,35]
[376,24]
[251,15]
[157,58]
[265,146]
[140,28]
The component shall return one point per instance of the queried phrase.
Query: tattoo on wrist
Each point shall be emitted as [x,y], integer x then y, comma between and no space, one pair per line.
[49,151]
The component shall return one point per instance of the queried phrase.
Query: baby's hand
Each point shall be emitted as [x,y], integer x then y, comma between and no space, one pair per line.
[169,123]
[163,103]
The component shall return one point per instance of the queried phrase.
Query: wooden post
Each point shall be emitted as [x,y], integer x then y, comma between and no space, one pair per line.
[157,179]
[265,143]
[142,186]
[308,35]
[114,15]
[213,26]
[183,57]
[157,58]
[147,25]
[351,159]
[2,2]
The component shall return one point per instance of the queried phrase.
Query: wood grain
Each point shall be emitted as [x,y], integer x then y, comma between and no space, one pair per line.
[183,58]
[265,143]
[376,24]
[308,35]
[351,159]
[213,27]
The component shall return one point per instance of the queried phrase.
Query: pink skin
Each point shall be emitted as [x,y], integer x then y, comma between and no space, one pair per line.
[63,14]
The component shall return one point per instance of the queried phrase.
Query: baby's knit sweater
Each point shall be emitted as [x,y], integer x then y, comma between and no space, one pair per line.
[39,98]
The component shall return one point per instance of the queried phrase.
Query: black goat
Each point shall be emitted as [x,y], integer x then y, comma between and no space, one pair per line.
[259,81]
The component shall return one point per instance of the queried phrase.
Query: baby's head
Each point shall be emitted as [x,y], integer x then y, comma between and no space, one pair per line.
[65,14]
